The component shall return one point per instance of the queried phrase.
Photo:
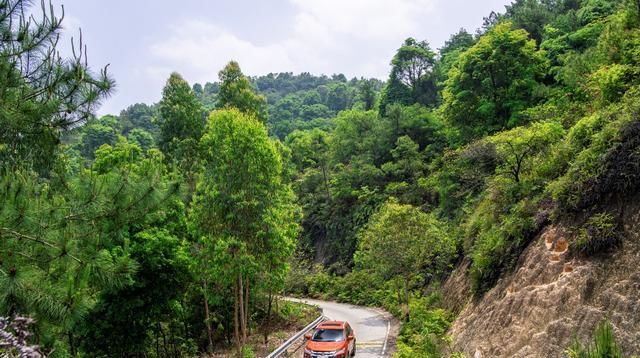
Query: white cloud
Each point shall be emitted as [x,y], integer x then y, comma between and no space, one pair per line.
[356,37]
[368,19]
[201,49]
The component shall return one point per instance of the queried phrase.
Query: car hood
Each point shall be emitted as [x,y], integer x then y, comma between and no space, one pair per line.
[325,346]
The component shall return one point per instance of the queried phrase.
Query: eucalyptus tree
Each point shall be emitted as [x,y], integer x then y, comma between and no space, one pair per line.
[237,92]
[243,211]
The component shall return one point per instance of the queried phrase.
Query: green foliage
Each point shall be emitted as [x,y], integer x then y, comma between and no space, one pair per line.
[531,15]
[247,352]
[456,45]
[73,242]
[460,176]
[42,93]
[604,345]
[497,231]
[142,138]
[243,211]
[181,117]
[493,81]
[612,82]
[361,287]
[412,77]
[96,133]
[607,165]
[361,134]
[599,234]
[424,334]
[139,116]
[539,118]
[518,148]
[236,92]
[242,177]
[401,242]
[128,320]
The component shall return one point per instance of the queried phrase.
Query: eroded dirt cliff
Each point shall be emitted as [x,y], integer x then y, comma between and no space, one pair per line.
[554,296]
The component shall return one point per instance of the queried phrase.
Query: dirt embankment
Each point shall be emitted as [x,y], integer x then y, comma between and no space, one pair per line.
[553,297]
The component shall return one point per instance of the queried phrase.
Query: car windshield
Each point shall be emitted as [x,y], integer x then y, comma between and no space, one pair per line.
[328,335]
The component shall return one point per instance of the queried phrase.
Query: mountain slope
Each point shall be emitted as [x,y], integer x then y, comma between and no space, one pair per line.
[555,296]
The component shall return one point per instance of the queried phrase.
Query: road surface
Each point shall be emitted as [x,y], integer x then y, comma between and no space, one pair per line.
[370,325]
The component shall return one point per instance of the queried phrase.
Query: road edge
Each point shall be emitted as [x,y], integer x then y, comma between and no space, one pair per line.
[393,330]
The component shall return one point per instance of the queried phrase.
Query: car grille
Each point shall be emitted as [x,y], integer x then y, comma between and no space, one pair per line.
[322,355]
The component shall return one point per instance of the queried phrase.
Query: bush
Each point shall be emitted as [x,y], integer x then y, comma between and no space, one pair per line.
[319,283]
[599,234]
[424,334]
[359,287]
[247,352]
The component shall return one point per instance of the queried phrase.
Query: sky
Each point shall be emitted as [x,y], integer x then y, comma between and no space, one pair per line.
[143,41]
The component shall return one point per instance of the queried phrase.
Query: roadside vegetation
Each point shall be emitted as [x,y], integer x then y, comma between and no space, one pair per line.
[604,344]
[171,228]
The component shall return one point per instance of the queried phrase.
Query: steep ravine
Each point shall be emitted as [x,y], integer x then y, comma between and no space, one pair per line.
[552,297]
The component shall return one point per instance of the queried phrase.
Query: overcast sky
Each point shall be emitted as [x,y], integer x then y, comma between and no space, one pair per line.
[145,40]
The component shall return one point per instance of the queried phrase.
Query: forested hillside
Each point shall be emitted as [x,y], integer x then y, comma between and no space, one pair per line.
[171,228]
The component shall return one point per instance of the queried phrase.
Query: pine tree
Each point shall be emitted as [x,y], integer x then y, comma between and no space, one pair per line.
[42,93]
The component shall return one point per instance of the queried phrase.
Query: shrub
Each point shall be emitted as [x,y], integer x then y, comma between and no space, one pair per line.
[424,333]
[599,234]
[610,82]
[247,352]
[404,244]
[319,283]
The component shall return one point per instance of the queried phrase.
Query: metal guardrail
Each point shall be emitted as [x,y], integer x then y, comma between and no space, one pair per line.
[286,345]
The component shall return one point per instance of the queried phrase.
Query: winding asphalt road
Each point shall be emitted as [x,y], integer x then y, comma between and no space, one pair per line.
[371,326]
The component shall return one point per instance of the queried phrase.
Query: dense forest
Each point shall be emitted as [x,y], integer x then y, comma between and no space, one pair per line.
[171,228]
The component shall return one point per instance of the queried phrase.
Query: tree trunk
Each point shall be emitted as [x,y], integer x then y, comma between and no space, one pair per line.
[236,323]
[72,346]
[326,182]
[406,298]
[243,328]
[164,339]
[206,318]
[246,310]
[157,343]
[268,324]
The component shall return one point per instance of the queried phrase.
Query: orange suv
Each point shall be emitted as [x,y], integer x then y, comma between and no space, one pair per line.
[330,339]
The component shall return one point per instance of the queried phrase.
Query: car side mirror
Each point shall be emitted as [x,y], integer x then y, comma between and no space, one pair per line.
[351,337]
[307,336]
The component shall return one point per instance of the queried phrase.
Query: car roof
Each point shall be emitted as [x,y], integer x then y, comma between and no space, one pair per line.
[332,324]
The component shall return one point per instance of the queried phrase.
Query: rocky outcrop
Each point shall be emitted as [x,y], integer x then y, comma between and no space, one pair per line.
[553,297]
